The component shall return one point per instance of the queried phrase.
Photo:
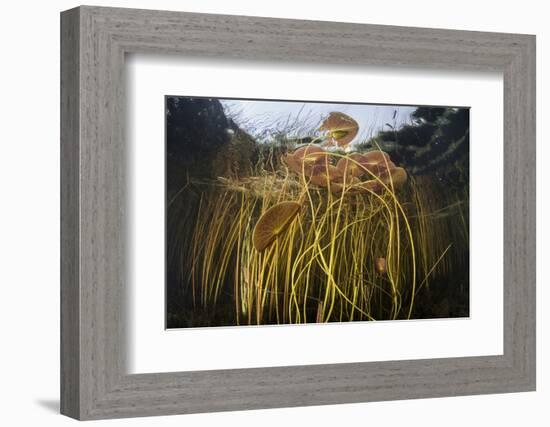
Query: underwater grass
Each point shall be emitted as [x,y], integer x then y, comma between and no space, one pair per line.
[322,267]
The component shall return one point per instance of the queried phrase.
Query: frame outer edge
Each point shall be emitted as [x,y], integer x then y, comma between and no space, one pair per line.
[89,369]
[70,396]
[532,299]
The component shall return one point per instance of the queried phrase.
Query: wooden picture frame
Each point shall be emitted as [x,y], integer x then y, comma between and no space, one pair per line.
[94,382]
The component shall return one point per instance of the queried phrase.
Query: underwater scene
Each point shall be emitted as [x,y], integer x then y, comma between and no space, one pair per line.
[294,212]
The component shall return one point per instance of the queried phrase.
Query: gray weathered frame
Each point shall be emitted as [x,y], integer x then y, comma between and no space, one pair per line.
[94,42]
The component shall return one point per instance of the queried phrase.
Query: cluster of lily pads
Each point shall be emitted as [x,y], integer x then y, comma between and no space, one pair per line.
[369,172]
[352,173]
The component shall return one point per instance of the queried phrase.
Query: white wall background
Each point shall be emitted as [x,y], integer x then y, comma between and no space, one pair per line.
[29,213]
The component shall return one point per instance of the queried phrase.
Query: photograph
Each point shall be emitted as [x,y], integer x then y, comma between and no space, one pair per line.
[298,213]
[285,212]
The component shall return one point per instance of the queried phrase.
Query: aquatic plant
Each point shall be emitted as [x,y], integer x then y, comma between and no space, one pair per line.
[340,128]
[323,237]
[272,223]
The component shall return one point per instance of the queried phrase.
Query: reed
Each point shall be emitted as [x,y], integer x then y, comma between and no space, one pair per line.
[346,256]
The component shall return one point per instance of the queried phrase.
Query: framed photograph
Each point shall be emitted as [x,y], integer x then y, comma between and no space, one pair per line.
[262,213]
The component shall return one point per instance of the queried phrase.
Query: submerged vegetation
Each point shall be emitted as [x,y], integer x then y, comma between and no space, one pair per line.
[317,233]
